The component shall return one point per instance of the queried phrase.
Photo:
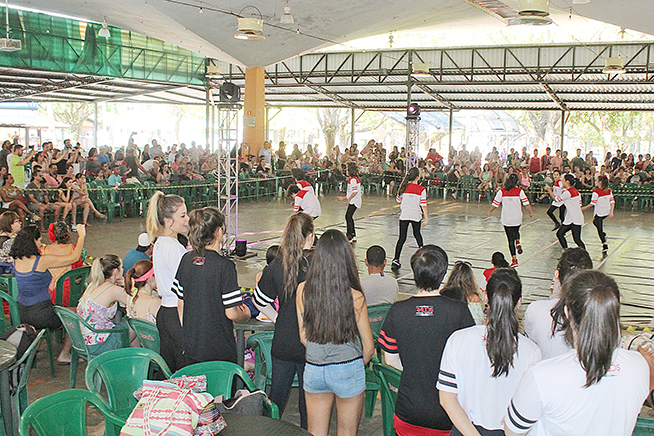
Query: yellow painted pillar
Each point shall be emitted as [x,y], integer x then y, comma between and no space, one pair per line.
[254,110]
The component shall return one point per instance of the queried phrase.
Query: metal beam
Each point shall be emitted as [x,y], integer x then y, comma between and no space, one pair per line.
[553,96]
[70,82]
[436,96]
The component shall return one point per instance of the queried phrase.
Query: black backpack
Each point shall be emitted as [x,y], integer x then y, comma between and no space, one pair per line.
[20,337]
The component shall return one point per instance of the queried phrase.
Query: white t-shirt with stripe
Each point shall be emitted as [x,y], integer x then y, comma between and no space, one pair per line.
[305,186]
[466,371]
[551,399]
[572,201]
[557,189]
[354,186]
[602,200]
[308,202]
[511,201]
[412,201]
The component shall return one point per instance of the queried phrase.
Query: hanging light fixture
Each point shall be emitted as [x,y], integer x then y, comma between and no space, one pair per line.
[250,28]
[8,44]
[580,2]
[287,18]
[614,65]
[420,69]
[533,13]
[104,32]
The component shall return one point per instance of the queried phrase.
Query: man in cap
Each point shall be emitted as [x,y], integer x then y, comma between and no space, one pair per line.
[141,252]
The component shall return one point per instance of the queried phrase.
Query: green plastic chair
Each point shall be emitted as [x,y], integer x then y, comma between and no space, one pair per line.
[73,324]
[78,278]
[8,284]
[261,344]
[390,385]
[220,380]
[20,399]
[376,315]
[146,332]
[122,372]
[64,413]
[14,317]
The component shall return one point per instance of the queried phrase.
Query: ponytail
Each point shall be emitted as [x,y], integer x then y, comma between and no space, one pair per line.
[411,175]
[299,226]
[504,290]
[140,268]
[160,207]
[593,302]
[102,268]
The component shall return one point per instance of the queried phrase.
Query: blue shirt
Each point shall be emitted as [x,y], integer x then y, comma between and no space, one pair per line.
[132,257]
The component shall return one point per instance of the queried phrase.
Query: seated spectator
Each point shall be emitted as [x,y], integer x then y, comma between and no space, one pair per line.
[377,287]
[59,234]
[115,179]
[33,279]
[13,199]
[38,199]
[539,325]
[139,286]
[99,304]
[80,197]
[413,338]
[143,251]
[10,225]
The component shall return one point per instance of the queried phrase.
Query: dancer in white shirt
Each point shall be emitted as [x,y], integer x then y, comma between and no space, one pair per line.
[603,202]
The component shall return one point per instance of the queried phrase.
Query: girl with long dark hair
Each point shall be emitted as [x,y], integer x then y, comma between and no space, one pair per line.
[353,197]
[207,284]
[598,388]
[334,326]
[602,200]
[280,280]
[413,210]
[463,278]
[512,198]
[482,365]
[166,219]
[574,217]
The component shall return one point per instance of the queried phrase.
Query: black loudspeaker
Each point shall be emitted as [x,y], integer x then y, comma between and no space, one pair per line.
[241,247]
[230,92]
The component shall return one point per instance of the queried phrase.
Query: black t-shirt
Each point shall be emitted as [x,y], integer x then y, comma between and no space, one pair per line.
[131,164]
[61,166]
[208,285]
[286,343]
[417,329]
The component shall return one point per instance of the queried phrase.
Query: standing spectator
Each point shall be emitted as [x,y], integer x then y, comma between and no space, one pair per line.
[266,153]
[17,164]
[166,219]
[6,151]
[578,161]
[534,163]
[207,285]
[413,337]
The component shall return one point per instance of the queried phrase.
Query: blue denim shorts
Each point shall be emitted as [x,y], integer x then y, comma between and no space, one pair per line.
[345,380]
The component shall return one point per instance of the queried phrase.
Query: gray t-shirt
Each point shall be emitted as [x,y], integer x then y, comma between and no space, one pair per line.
[379,289]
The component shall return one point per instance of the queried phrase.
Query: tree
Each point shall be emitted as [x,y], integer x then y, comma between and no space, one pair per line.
[331,120]
[542,127]
[624,130]
[73,114]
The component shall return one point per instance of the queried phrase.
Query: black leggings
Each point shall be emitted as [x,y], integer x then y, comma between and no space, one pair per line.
[550,213]
[351,231]
[283,373]
[598,222]
[576,235]
[512,234]
[171,338]
[404,227]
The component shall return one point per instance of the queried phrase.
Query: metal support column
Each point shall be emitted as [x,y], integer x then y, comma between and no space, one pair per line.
[562,129]
[95,124]
[207,104]
[213,128]
[352,123]
[228,173]
[409,85]
[267,126]
[450,132]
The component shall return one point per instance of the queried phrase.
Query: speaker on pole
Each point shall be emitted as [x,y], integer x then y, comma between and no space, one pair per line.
[229,92]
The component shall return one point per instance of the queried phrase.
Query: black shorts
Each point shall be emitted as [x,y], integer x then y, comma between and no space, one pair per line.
[40,315]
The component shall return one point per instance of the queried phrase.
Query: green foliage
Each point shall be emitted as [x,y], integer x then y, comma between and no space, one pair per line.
[73,114]
[609,130]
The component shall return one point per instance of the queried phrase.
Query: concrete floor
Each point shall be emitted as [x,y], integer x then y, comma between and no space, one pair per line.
[461,228]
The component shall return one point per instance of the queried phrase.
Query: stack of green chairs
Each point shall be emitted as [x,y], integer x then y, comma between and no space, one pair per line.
[646,196]
[467,186]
